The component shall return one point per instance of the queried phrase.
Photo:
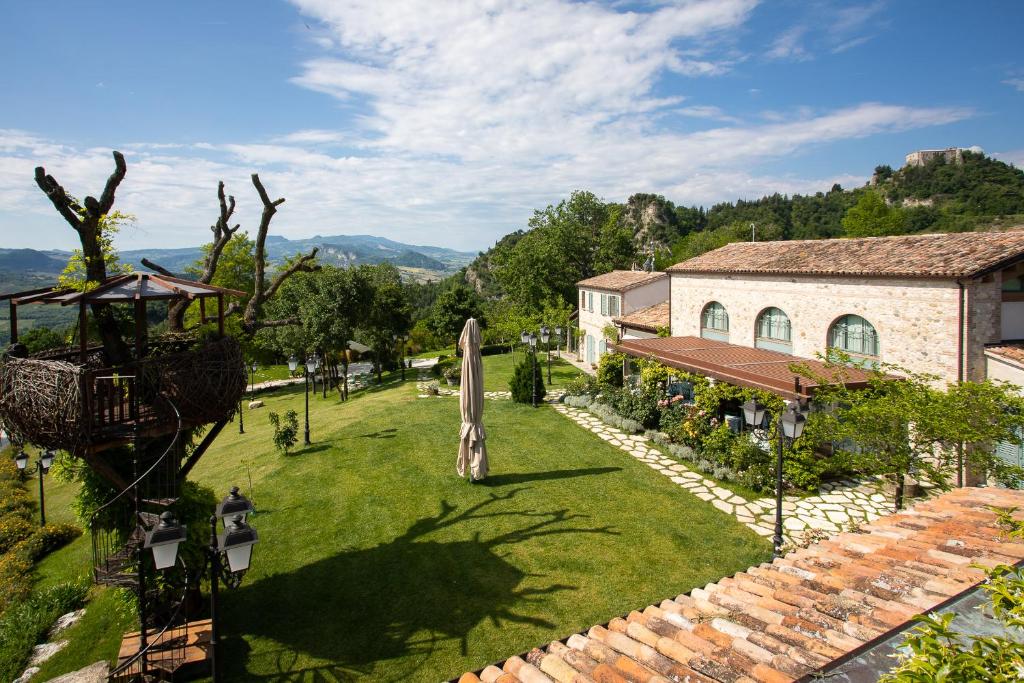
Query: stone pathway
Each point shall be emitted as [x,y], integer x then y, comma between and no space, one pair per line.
[836,508]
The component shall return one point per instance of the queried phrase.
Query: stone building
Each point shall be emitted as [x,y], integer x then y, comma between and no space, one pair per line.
[603,298]
[952,155]
[929,303]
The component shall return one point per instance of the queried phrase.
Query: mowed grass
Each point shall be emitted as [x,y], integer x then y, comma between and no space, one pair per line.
[499,367]
[375,560]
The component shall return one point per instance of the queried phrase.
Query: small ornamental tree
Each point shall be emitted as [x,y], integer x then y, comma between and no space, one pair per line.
[286,431]
[522,384]
[609,370]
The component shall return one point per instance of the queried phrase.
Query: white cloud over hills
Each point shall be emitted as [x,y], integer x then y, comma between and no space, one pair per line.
[470,116]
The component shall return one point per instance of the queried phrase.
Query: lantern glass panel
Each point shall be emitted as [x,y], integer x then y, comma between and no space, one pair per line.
[165,554]
[239,556]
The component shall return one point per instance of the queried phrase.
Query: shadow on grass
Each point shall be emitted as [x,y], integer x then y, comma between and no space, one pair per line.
[382,434]
[509,479]
[401,598]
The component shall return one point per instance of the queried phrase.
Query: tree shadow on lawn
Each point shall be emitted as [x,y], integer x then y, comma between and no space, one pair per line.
[401,598]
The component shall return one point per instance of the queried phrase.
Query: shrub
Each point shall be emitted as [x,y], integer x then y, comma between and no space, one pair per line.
[23,625]
[637,405]
[582,384]
[672,417]
[527,386]
[723,474]
[286,431]
[609,370]
[580,401]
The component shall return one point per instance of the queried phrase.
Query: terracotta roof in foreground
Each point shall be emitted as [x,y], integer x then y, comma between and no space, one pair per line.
[950,255]
[650,318]
[621,280]
[1011,352]
[786,620]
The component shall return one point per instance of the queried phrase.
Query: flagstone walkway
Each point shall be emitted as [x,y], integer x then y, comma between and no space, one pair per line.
[836,508]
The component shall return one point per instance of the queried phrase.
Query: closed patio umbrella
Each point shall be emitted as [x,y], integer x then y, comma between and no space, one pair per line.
[472,447]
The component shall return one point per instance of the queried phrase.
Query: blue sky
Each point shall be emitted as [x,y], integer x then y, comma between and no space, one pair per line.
[444,123]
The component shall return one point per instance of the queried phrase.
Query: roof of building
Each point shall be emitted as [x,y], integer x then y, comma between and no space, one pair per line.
[621,280]
[951,255]
[741,365]
[1010,352]
[650,319]
[123,288]
[796,616]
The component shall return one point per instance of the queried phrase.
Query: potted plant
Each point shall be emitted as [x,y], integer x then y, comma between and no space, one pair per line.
[452,375]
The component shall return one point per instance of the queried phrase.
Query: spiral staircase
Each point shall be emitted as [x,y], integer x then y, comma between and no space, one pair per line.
[168,646]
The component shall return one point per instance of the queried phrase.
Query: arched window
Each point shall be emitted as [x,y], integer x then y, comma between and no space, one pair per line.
[773,331]
[714,322]
[855,336]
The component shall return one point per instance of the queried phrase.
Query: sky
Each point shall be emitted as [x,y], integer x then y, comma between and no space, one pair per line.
[449,123]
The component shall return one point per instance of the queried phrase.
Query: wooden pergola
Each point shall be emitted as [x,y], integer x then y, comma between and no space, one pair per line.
[136,288]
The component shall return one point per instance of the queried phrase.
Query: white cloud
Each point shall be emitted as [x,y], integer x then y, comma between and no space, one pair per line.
[470,117]
[1015,83]
[789,45]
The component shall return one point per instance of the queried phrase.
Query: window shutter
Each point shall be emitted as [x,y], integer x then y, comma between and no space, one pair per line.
[604,304]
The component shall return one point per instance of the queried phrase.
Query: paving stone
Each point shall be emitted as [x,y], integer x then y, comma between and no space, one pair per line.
[839,517]
[724,494]
[723,506]
[704,495]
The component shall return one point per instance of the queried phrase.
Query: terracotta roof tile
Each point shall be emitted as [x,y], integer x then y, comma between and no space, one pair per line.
[622,280]
[948,255]
[781,621]
[649,319]
[1011,352]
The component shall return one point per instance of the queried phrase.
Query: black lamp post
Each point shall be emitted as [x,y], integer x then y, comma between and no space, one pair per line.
[252,383]
[42,466]
[558,340]
[311,365]
[791,426]
[228,555]
[545,337]
[530,339]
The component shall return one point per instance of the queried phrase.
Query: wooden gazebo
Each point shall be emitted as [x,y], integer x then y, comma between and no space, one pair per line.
[79,401]
[136,288]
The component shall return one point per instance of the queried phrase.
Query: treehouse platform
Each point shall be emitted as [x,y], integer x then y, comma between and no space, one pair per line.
[80,401]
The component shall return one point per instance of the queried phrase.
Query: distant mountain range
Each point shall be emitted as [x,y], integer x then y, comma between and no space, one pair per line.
[415,261]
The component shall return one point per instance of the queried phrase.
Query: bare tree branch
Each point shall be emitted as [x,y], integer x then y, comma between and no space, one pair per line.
[65,205]
[284,322]
[301,264]
[87,224]
[222,234]
[158,268]
[251,319]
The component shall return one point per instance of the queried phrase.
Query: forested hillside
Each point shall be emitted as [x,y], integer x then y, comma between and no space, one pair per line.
[570,241]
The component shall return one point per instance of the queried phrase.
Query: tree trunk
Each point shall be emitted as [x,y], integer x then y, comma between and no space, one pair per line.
[86,222]
[899,492]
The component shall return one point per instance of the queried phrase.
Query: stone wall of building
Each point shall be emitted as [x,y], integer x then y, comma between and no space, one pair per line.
[916,319]
[593,323]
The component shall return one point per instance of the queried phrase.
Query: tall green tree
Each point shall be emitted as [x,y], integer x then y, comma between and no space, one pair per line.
[387,314]
[872,217]
[450,311]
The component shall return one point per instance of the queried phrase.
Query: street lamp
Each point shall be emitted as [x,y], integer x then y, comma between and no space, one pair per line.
[252,384]
[228,557]
[545,337]
[234,504]
[558,340]
[790,426]
[311,364]
[293,363]
[42,466]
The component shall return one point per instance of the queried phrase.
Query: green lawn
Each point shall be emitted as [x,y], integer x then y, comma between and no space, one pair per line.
[498,371]
[376,560]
